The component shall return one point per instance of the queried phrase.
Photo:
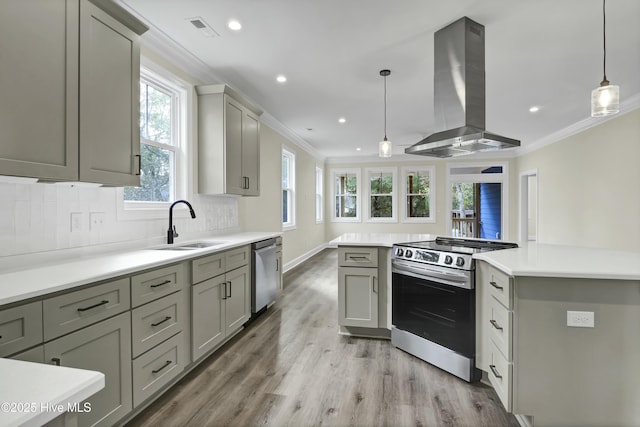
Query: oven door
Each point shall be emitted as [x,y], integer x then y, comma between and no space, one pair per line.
[435,309]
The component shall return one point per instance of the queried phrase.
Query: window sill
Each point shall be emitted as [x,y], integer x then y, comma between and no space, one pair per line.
[289,227]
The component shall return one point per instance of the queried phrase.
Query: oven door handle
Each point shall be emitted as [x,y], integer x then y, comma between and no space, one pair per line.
[453,278]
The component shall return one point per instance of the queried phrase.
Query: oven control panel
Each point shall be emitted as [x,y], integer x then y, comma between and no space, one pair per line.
[461,261]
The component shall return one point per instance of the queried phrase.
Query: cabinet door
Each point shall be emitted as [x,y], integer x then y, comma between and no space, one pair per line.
[207,315]
[358,297]
[238,299]
[109,99]
[20,327]
[103,347]
[233,111]
[251,154]
[39,87]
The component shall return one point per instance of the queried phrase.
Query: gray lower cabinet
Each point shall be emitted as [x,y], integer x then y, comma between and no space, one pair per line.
[20,327]
[103,347]
[358,286]
[35,355]
[219,307]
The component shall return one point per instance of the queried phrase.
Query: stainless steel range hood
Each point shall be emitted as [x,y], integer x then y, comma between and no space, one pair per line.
[459,95]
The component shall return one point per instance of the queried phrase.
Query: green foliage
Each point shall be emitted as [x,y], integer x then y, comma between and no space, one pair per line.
[381,184]
[418,206]
[346,184]
[381,207]
[462,192]
[346,206]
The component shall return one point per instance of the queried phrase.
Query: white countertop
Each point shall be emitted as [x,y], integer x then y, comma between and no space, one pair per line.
[38,280]
[545,260]
[379,239]
[33,394]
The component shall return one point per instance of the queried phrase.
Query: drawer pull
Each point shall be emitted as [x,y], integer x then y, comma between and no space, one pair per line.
[495,285]
[496,325]
[357,257]
[166,282]
[103,302]
[167,363]
[56,361]
[495,371]
[161,322]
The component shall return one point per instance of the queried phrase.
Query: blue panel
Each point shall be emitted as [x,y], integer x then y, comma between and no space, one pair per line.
[491,211]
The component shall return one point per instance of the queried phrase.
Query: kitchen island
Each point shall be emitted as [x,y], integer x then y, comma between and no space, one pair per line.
[557,333]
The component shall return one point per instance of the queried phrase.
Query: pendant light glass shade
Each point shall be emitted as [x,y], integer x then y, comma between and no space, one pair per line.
[384,147]
[605,99]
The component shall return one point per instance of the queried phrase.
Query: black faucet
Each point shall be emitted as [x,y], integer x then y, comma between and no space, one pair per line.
[171,233]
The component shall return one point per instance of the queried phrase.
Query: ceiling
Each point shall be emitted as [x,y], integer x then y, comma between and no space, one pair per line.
[544,53]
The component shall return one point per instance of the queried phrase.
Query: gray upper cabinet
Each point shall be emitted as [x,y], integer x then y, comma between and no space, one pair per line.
[69,108]
[228,143]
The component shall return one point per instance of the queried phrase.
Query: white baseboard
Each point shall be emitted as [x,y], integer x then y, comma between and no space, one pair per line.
[302,258]
[524,420]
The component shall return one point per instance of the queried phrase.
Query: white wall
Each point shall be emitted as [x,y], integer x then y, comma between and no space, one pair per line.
[589,186]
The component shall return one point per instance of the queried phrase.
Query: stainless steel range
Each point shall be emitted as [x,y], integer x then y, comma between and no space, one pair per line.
[434,304]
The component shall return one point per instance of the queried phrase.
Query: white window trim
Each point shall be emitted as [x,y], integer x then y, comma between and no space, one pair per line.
[291,225]
[368,172]
[501,178]
[183,116]
[339,171]
[432,195]
[319,183]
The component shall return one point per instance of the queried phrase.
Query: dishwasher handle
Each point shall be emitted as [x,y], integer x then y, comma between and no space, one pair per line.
[265,249]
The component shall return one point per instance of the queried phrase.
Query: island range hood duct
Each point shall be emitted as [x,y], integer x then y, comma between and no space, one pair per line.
[459,95]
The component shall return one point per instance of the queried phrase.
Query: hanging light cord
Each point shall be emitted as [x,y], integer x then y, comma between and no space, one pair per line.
[385,108]
[604,44]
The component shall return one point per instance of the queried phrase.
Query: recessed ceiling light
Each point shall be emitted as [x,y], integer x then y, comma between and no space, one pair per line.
[342,120]
[281,79]
[358,149]
[534,109]
[234,25]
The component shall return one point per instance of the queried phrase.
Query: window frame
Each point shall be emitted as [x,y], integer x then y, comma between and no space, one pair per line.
[432,195]
[182,116]
[371,172]
[290,190]
[319,195]
[358,174]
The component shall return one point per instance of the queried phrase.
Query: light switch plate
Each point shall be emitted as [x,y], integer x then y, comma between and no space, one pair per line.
[580,319]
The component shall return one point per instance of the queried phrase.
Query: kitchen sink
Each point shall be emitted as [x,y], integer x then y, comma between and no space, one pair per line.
[190,246]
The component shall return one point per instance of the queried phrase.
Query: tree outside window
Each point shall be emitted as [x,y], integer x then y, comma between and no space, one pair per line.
[158,145]
[346,189]
[288,188]
[381,193]
[419,194]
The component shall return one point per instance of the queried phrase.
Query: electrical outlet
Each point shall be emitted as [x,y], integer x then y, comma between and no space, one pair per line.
[76,221]
[96,221]
[580,319]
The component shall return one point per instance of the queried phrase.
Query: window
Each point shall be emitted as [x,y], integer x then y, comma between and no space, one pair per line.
[319,200]
[160,143]
[418,194]
[346,191]
[381,194]
[288,189]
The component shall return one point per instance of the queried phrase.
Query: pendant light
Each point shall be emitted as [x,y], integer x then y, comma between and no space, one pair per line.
[605,99]
[384,148]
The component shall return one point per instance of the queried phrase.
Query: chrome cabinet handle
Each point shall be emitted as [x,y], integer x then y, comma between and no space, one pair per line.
[496,325]
[495,285]
[167,363]
[56,361]
[162,321]
[495,371]
[166,282]
[103,302]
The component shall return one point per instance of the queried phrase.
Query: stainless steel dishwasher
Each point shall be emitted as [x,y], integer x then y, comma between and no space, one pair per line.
[264,277]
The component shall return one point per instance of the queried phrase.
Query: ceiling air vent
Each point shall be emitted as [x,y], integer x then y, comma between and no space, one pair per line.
[204,28]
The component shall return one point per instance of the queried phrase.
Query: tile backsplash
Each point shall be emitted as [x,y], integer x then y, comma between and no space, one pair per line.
[45,217]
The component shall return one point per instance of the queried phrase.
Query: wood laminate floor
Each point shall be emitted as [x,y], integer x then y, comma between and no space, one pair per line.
[291,368]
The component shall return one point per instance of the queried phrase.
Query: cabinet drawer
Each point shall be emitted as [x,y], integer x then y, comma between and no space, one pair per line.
[154,284]
[35,355]
[20,328]
[500,286]
[68,312]
[155,322]
[235,258]
[500,325]
[357,257]
[207,267]
[500,375]
[157,367]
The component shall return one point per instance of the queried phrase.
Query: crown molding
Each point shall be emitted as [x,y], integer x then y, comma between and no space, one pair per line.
[628,105]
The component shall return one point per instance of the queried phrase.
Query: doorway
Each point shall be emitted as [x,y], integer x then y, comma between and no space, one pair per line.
[529,206]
